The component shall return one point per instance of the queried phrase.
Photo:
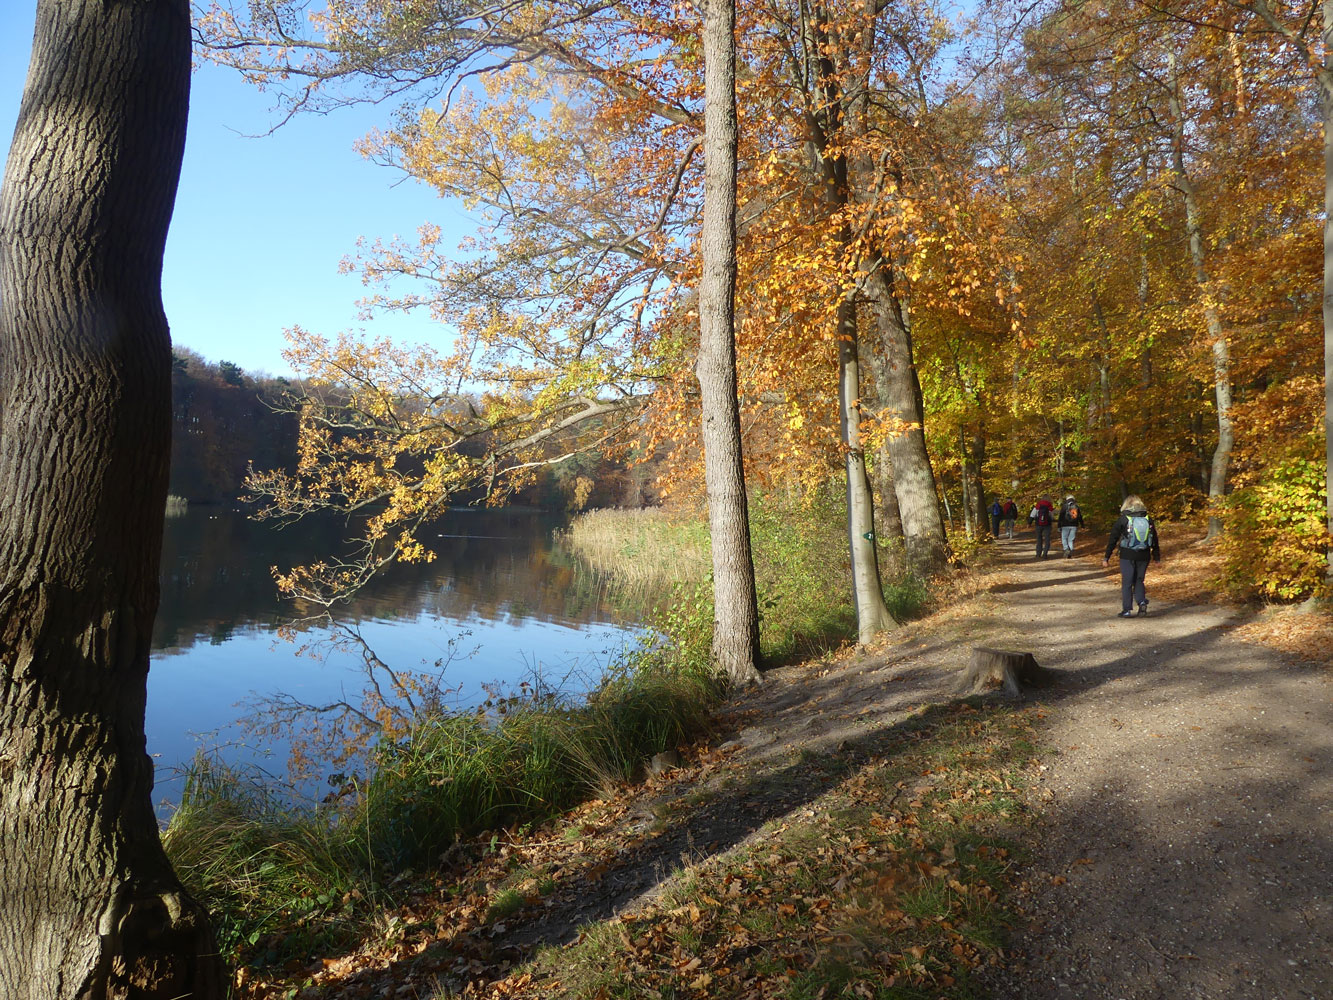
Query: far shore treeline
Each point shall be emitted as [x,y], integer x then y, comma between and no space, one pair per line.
[226,420]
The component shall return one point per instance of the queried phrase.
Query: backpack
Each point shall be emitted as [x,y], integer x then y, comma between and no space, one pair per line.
[996,510]
[1043,515]
[1010,510]
[1072,513]
[1138,533]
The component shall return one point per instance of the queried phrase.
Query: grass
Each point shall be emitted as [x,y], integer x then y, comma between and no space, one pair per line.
[281,881]
[652,546]
[890,885]
[802,572]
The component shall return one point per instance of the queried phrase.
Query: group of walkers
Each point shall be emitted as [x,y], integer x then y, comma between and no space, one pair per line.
[1134,534]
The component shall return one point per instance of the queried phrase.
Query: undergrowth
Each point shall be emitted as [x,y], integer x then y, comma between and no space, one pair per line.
[802,571]
[281,880]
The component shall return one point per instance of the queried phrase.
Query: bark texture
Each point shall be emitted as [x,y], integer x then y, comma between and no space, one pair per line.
[736,606]
[91,907]
[872,614]
[900,393]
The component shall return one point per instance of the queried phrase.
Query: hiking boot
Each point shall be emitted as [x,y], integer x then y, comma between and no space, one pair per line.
[1143,609]
[1125,614]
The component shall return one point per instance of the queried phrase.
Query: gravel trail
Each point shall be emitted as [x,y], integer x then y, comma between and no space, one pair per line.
[1185,849]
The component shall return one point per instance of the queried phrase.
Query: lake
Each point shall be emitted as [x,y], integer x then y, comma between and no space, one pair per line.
[501,602]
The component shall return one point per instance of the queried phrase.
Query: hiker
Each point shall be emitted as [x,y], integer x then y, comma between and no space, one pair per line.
[1010,516]
[1136,535]
[996,513]
[1042,516]
[1070,520]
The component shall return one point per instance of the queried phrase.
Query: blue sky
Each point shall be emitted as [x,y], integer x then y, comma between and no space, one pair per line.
[261,223]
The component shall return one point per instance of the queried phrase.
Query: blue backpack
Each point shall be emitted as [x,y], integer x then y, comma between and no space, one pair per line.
[1138,535]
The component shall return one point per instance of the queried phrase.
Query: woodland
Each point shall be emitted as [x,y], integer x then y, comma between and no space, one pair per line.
[1069,247]
[932,256]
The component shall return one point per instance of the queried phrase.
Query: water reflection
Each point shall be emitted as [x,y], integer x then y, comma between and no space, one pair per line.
[498,587]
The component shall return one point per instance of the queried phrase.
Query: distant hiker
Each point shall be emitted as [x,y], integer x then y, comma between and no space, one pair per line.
[1136,535]
[996,513]
[1010,516]
[1070,520]
[1042,515]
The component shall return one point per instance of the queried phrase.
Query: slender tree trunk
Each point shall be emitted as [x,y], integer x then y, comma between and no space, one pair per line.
[872,615]
[1217,339]
[1326,104]
[736,606]
[833,124]
[965,482]
[890,520]
[91,907]
[914,480]
[978,459]
[1060,454]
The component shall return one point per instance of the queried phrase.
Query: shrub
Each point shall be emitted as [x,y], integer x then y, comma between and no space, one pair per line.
[1275,538]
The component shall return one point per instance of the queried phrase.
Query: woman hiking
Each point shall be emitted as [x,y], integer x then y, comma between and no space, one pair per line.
[1136,535]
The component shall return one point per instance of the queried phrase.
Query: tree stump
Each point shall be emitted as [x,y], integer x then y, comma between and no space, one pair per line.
[1006,668]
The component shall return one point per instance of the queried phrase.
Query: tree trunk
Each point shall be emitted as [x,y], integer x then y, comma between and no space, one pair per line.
[965,482]
[914,480]
[1217,340]
[872,615]
[91,908]
[736,607]
[978,459]
[1326,105]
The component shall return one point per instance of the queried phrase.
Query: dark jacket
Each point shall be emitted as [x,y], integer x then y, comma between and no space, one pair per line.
[1036,508]
[1066,521]
[1120,531]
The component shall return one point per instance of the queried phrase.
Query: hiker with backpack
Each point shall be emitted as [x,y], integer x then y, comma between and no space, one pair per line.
[996,513]
[1042,517]
[1136,535]
[1070,520]
[1010,516]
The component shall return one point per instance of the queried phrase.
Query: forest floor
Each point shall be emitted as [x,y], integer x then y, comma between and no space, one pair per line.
[1158,824]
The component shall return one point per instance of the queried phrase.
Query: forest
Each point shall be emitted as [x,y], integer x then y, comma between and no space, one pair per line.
[829,276]
[1073,247]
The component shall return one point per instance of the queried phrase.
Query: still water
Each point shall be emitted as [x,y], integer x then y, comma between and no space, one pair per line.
[501,602]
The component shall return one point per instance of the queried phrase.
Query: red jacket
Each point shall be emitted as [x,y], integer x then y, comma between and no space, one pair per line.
[1036,510]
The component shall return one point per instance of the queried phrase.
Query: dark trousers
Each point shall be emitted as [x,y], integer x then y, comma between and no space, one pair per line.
[1132,572]
[1043,539]
[995,525]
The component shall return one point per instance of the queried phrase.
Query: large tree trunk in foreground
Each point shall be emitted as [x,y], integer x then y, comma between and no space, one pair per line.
[736,606]
[872,614]
[91,908]
[914,480]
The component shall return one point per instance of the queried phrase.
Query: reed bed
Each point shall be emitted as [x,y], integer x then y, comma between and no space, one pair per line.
[281,879]
[643,548]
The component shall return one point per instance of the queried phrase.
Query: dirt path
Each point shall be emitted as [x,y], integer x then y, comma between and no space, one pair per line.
[1186,850]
